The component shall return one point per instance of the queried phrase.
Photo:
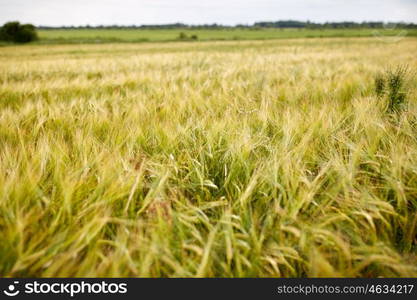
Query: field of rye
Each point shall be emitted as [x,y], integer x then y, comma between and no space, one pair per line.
[208,159]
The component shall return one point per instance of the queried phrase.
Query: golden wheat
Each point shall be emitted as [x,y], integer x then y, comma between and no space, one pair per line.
[246,159]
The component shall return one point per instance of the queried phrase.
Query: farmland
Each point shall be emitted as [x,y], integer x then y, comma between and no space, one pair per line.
[74,36]
[268,158]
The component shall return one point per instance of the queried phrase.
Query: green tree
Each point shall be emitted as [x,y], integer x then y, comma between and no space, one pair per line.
[18,33]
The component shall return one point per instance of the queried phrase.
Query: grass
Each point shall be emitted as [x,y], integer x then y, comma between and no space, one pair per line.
[206,159]
[57,36]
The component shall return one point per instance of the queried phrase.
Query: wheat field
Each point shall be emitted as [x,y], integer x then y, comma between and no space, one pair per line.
[207,159]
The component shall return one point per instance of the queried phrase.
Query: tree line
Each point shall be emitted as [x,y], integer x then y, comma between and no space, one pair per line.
[257,25]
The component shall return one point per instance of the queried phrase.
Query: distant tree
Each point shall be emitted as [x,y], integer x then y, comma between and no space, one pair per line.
[18,33]
[182,36]
[9,30]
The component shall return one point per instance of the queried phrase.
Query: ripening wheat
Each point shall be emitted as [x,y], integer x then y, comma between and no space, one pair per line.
[214,159]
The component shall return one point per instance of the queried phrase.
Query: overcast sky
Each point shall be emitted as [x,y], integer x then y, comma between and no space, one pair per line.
[126,12]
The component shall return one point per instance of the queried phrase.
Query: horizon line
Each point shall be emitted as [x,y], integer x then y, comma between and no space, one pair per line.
[220,24]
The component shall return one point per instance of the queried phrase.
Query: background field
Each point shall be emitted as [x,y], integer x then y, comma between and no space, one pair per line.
[141,35]
[237,158]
